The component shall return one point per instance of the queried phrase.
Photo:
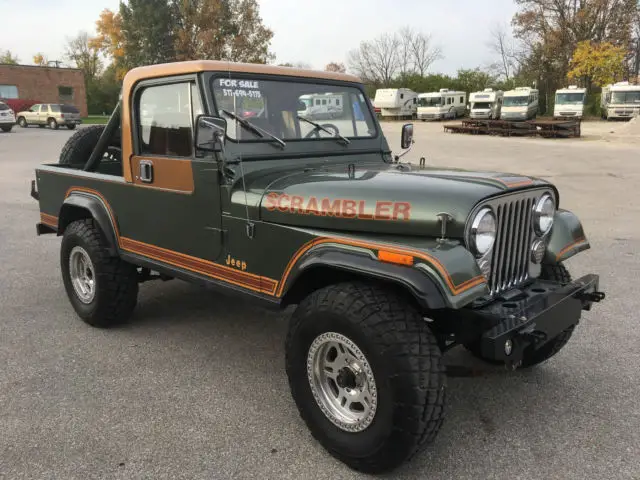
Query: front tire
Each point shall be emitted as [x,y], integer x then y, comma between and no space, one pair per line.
[102,289]
[366,374]
[22,122]
[556,273]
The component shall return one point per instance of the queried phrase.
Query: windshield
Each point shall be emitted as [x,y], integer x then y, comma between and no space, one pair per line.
[481,105]
[278,106]
[632,98]
[569,98]
[516,101]
[430,101]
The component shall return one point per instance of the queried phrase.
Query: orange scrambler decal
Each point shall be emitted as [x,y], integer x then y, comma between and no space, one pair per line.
[338,207]
[49,220]
[570,246]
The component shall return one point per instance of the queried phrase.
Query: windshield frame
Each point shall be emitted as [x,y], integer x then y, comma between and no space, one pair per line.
[526,99]
[625,93]
[293,79]
[583,94]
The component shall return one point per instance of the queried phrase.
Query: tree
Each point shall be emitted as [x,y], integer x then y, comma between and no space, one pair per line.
[40,59]
[335,67]
[83,55]
[301,65]
[423,53]
[504,47]
[7,58]
[598,63]
[220,30]
[376,61]
[473,80]
[147,32]
[110,40]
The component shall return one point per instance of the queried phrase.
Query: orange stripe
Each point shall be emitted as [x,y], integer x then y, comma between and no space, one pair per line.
[569,247]
[455,289]
[49,220]
[236,277]
[517,184]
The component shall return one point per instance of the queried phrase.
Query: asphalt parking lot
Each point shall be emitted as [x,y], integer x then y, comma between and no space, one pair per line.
[194,387]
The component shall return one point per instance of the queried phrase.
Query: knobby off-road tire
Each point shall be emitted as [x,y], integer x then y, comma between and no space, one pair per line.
[556,273]
[78,148]
[108,294]
[400,354]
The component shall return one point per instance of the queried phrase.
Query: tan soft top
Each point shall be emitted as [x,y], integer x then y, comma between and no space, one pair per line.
[180,68]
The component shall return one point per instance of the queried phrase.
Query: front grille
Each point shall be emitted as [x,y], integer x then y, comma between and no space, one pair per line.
[514,234]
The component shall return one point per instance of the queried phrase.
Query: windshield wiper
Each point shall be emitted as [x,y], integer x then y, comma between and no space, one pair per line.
[260,132]
[337,136]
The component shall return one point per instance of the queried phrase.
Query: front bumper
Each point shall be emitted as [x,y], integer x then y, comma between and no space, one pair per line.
[535,315]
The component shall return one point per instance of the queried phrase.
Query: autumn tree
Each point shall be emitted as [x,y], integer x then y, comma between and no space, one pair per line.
[335,67]
[80,52]
[40,59]
[220,30]
[110,40]
[598,63]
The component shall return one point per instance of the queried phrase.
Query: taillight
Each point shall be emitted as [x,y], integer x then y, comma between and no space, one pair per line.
[62,115]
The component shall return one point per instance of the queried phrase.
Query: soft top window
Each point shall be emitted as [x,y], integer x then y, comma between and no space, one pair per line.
[282,108]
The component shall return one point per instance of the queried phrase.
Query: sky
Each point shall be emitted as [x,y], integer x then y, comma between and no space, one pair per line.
[315,32]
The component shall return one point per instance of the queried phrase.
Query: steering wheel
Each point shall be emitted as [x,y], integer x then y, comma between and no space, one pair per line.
[315,133]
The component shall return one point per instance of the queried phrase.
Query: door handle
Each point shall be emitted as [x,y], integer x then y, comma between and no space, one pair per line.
[146,171]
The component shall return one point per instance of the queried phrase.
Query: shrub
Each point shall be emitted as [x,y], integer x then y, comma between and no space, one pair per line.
[20,104]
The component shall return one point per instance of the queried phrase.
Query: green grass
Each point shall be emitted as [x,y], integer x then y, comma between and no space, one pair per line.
[95,120]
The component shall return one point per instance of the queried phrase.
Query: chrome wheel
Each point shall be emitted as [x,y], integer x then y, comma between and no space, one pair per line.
[342,382]
[82,274]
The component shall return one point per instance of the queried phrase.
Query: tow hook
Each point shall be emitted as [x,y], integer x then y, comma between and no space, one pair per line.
[34,192]
[591,296]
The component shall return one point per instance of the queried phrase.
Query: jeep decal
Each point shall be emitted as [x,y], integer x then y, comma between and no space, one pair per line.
[338,207]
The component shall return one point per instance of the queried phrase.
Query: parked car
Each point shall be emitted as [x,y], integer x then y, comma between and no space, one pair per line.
[7,117]
[52,114]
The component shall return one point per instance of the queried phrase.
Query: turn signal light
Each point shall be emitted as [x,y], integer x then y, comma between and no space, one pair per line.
[398,258]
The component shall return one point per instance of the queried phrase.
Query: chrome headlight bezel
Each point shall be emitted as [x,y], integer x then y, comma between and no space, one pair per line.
[542,213]
[481,251]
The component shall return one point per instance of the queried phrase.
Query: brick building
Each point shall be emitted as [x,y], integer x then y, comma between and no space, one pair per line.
[44,85]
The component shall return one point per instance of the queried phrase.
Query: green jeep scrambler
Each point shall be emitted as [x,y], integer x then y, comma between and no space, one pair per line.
[242,178]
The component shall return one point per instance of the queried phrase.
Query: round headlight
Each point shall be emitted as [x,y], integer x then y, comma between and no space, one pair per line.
[543,214]
[483,232]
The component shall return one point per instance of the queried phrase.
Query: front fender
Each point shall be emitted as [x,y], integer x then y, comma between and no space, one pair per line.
[567,238]
[445,276]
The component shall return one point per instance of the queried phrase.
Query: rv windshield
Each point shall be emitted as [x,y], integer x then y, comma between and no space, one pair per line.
[430,101]
[481,105]
[275,107]
[516,101]
[632,98]
[569,98]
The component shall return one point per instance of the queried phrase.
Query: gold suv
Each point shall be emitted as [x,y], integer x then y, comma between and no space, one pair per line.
[52,114]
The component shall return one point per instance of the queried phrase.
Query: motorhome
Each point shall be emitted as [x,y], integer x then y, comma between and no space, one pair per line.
[442,104]
[520,104]
[322,106]
[486,104]
[620,100]
[396,102]
[570,102]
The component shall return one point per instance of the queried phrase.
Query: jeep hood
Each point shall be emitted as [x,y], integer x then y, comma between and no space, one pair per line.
[380,198]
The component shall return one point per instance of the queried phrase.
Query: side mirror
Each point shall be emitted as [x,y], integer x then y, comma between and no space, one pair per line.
[407,136]
[210,133]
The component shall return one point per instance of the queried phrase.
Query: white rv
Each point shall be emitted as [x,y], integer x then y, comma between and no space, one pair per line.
[519,104]
[322,106]
[442,104]
[570,102]
[486,104]
[396,102]
[620,100]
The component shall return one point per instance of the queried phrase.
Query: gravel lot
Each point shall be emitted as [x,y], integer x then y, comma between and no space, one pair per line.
[195,386]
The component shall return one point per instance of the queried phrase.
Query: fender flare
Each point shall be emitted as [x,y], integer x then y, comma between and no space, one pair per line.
[567,238]
[96,209]
[424,289]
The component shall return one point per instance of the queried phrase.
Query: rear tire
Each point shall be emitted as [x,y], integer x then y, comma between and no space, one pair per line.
[53,125]
[71,126]
[390,350]
[556,273]
[102,289]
